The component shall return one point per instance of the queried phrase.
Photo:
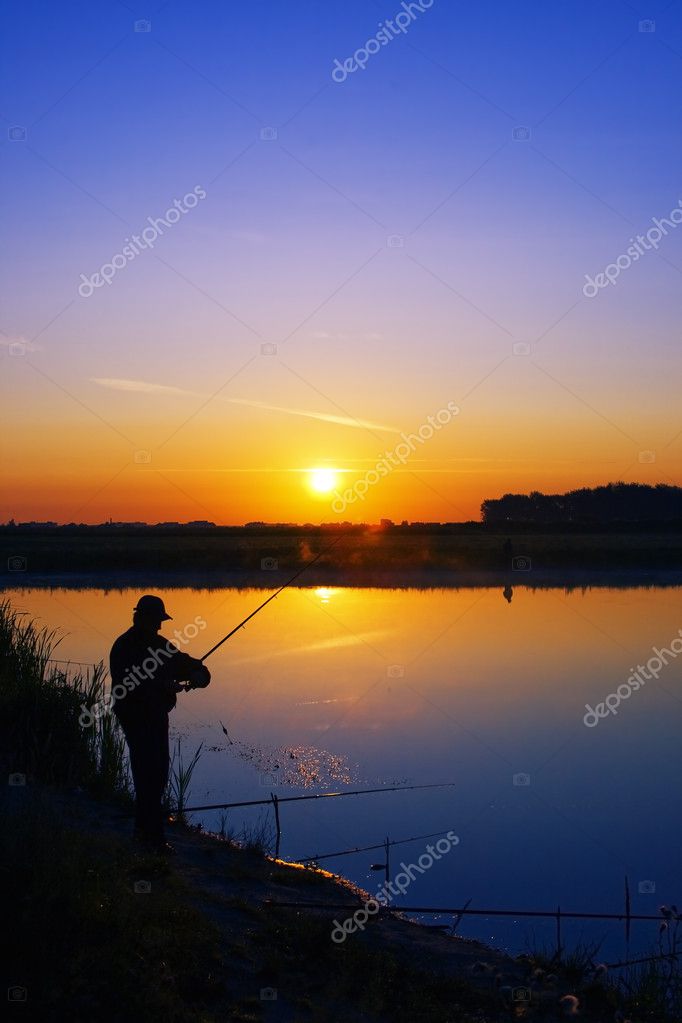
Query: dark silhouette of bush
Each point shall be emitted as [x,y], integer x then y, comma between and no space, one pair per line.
[614,503]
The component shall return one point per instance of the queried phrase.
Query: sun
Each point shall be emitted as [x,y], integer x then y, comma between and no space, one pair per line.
[323,481]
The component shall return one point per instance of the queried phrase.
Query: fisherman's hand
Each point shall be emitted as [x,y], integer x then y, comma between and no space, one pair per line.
[170,687]
[199,676]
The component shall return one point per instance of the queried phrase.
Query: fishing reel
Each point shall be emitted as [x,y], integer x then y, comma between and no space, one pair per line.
[199,678]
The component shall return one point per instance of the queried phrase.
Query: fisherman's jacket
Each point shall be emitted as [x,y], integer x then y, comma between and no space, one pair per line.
[143,668]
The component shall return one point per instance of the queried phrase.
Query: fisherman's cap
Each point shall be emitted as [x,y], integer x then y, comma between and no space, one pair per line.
[152,607]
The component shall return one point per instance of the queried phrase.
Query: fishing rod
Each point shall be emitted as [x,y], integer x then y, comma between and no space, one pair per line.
[368,848]
[295,576]
[320,795]
[459,910]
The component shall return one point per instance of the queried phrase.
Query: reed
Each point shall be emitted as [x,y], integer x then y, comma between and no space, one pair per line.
[644,990]
[40,705]
[258,839]
[180,780]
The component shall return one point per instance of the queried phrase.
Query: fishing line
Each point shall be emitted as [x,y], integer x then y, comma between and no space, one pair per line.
[260,607]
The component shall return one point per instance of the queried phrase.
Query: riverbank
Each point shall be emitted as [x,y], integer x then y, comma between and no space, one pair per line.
[107,932]
[471,555]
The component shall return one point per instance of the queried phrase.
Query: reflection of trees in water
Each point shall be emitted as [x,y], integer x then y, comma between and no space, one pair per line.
[546,573]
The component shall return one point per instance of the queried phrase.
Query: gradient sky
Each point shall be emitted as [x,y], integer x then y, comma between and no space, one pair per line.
[395,240]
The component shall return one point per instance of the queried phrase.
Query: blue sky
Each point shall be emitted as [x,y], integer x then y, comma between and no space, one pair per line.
[291,244]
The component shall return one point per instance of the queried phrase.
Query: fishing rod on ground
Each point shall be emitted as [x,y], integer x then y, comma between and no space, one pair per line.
[300,799]
[319,795]
[389,843]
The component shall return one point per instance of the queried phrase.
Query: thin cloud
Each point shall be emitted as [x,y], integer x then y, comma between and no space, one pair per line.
[19,345]
[140,386]
[145,387]
[326,335]
[325,417]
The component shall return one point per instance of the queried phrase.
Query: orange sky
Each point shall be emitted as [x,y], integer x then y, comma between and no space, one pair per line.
[231,463]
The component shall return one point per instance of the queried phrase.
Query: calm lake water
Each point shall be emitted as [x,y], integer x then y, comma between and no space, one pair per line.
[342,687]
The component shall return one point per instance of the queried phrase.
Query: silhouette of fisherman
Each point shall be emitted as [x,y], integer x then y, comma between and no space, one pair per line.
[150,669]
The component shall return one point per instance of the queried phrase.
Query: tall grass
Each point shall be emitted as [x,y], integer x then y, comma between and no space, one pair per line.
[646,990]
[258,839]
[180,778]
[653,990]
[40,705]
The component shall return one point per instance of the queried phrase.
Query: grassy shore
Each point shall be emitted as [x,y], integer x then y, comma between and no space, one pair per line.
[261,557]
[101,931]
[40,734]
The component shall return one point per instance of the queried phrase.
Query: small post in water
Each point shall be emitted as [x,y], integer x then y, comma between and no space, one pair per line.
[627,918]
[558,933]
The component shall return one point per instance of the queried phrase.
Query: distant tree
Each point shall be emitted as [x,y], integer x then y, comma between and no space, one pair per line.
[614,502]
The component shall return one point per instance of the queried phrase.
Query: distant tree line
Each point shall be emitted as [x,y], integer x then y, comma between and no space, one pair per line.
[613,503]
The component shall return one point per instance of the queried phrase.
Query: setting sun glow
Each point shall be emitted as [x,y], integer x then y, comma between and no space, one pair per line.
[322,480]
